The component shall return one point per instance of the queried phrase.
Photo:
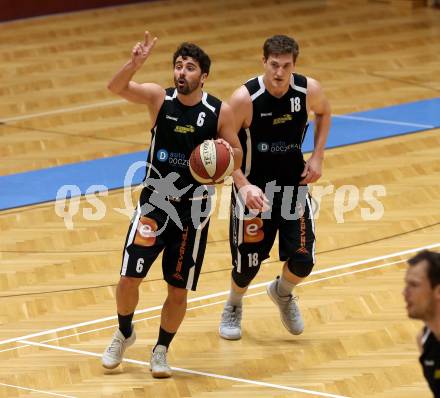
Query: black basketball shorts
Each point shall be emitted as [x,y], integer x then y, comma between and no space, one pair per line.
[251,239]
[154,229]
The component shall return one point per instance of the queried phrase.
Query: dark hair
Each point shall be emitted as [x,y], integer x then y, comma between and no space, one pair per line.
[280,44]
[433,260]
[191,50]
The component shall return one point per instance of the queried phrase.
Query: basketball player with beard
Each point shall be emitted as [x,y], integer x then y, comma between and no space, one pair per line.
[183,117]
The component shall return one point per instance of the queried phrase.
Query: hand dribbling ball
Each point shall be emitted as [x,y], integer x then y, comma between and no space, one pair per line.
[211,162]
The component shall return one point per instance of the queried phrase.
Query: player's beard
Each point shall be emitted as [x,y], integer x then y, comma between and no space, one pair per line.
[186,88]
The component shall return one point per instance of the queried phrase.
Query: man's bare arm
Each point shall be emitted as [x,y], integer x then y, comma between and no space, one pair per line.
[319,104]
[150,94]
[227,132]
[241,105]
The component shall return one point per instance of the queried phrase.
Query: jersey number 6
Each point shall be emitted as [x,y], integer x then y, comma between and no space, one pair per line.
[201,119]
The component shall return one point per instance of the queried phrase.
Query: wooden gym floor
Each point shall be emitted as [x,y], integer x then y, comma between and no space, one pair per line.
[58,285]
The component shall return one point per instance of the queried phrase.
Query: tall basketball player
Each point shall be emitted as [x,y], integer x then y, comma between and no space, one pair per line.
[183,117]
[271,113]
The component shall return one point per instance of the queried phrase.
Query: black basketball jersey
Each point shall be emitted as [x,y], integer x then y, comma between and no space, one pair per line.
[272,143]
[178,130]
[430,361]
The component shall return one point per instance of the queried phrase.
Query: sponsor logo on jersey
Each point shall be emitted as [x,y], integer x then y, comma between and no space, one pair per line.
[428,362]
[162,155]
[171,117]
[276,147]
[183,243]
[178,159]
[145,232]
[253,232]
[302,250]
[302,236]
[184,129]
[173,158]
[284,147]
[283,119]
[266,114]
[263,146]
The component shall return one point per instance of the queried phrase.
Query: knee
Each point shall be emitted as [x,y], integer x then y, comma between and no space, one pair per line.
[127,283]
[300,268]
[244,278]
[177,295]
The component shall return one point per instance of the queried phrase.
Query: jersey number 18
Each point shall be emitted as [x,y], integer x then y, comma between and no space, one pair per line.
[295,104]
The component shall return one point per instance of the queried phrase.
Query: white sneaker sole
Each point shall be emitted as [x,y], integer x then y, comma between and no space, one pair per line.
[110,366]
[163,374]
[226,337]
[281,315]
[106,366]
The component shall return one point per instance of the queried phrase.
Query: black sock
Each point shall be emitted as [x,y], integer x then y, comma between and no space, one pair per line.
[125,324]
[164,338]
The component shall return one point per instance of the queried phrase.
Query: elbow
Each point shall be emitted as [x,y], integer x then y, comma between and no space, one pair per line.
[117,88]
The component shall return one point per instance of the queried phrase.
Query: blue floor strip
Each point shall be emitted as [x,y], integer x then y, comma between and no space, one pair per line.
[42,185]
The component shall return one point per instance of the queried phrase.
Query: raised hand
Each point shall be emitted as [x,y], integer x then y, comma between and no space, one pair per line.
[141,51]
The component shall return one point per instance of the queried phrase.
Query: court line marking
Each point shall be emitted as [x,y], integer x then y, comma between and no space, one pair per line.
[194,372]
[190,371]
[63,110]
[34,390]
[205,374]
[383,121]
[123,101]
[206,305]
[223,293]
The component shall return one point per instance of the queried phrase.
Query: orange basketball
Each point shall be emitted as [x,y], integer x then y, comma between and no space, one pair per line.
[211,162]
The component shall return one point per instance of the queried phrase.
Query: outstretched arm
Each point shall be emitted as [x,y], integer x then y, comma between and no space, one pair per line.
[150,94]
[319,104]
